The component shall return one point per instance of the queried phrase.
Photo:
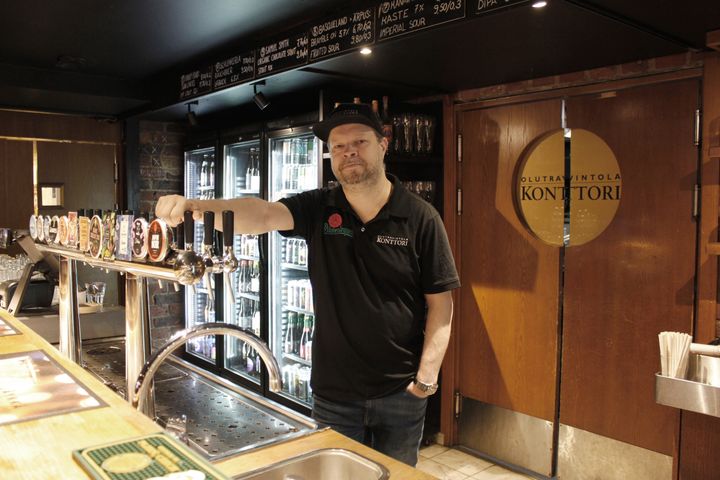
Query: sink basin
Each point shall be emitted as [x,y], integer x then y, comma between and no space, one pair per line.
[323,464]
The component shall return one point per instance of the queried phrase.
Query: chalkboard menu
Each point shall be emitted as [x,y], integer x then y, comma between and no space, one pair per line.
[383,20]
[399,17]
[342,33]
[284,54]
[487,6]
[196,83]
[234,70]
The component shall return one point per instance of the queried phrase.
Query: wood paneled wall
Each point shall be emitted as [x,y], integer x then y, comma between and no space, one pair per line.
[508,309]
[16,177]
[637,278]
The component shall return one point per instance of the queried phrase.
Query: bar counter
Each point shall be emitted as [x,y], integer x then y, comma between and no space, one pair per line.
[41,448]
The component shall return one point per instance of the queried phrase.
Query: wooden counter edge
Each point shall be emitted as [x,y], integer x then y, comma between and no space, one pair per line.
[252,460]
[263,457]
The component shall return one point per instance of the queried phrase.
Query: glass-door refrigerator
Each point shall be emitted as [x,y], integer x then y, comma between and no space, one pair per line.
[200,183]
[243,301]
[295,159]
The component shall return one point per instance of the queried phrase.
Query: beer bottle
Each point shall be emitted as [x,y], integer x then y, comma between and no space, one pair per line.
[289,339]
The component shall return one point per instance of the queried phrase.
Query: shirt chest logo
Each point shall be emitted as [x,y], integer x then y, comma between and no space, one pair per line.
[394,241]
[333,226]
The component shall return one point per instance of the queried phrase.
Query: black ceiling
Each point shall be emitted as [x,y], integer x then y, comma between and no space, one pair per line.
[122,57]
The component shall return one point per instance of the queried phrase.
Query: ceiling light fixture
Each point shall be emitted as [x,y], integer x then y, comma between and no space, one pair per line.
[191,116]
[539,4]
[259,98]
[365,51]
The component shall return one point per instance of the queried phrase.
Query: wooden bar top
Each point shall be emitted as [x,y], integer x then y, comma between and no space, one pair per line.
[42,448]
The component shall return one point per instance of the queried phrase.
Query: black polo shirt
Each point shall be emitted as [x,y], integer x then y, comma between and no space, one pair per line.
[369,282]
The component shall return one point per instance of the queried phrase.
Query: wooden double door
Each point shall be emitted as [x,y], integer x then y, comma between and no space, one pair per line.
[580,350]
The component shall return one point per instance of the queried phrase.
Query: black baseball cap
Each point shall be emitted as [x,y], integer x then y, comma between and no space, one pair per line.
[346,113]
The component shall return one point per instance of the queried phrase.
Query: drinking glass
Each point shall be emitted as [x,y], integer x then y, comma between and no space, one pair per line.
[398,134]
[408,132]
[420,134]
[429,133]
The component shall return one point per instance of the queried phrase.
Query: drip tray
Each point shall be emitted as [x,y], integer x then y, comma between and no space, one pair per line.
[221,419]
[220,422]
[107,361]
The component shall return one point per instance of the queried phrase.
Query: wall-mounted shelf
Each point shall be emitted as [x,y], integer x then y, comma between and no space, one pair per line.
[687,395]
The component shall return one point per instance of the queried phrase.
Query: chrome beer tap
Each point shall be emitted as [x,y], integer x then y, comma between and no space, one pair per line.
[189,267]
[229,261]
[213,264]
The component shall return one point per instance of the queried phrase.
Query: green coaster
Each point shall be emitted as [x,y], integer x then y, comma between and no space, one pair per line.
[150,456]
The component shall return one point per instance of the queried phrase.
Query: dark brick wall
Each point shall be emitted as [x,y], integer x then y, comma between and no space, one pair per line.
[160,160]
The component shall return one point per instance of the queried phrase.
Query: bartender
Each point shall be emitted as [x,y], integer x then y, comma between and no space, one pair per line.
[382,274]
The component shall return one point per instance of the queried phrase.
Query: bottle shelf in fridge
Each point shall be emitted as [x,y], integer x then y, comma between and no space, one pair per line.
[296,359]
[246,257]
[243,191]
[298,309]
[294,266]
[251,296]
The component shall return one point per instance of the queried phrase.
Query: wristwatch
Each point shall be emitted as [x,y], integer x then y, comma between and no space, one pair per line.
[428,388]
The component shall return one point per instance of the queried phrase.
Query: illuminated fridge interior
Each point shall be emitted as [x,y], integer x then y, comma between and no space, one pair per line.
[200,183]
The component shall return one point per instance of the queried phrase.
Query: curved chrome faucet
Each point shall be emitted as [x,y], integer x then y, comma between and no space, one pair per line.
[151,366]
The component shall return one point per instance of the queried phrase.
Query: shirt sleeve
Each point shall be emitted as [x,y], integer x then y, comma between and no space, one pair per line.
[437,265]
[303,208]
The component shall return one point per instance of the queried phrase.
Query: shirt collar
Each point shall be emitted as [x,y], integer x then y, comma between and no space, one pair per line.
[398,205]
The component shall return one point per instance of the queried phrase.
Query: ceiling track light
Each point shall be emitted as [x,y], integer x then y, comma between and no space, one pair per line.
[259,98]
[191,116]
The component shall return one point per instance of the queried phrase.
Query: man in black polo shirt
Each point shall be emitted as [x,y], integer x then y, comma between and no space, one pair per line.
[382,272]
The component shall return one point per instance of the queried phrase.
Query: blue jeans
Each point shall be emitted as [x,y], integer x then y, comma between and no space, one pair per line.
[392,425]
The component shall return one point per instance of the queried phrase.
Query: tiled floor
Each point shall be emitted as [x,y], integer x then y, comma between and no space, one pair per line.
[448,464]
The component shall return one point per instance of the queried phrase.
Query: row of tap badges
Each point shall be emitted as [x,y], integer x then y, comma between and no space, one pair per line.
[106,234]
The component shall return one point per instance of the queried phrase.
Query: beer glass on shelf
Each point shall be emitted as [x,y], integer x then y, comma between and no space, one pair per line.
[420,133]
[398,134]
[429,131]
[409,128]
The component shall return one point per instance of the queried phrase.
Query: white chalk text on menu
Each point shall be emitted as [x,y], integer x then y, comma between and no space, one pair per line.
[400,17]
[284,54]
[341,33]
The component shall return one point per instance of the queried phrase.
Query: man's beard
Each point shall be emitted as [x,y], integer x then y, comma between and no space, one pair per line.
[358,176]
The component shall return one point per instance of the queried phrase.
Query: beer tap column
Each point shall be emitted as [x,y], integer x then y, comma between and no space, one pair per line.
[189,266]
[229,261]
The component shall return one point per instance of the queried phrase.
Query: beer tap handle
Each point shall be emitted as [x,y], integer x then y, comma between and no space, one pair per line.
[229,260]
[228,220]
[189,240]
[209,220]
[189,227]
